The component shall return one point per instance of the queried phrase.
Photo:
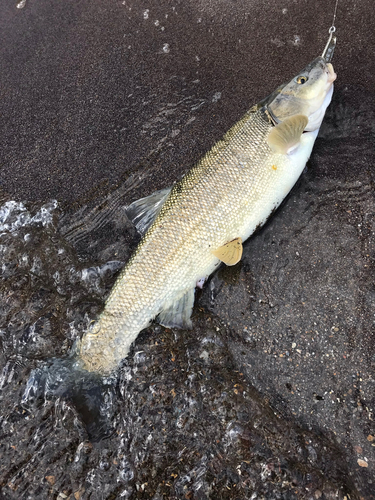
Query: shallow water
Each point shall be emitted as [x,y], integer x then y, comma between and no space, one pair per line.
[271,395]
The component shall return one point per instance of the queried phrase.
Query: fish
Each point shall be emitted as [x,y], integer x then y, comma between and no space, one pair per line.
[204,219]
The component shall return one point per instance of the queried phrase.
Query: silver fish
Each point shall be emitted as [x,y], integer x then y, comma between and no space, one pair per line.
[203,220]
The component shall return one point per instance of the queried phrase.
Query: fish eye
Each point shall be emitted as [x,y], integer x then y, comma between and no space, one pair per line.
[301,79]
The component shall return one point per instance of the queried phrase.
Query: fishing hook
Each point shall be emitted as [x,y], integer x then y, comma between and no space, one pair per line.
[331,44]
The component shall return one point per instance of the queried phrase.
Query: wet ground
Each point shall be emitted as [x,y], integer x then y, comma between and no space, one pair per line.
[272,394]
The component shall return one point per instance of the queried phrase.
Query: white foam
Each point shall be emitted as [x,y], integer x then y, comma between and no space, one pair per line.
[14,215]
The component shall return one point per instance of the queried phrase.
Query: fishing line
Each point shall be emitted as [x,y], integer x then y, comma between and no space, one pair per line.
[334,16]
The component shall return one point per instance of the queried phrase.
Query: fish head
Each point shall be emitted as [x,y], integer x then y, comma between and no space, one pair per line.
[309,94]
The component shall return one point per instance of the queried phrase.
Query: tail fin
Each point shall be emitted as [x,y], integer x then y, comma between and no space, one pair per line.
[88,392]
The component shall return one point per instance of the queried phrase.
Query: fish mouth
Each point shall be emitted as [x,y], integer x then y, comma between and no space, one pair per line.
[331,73]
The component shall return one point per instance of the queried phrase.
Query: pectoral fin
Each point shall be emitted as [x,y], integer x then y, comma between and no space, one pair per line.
[230,253]
[178,314]
[285,136]
[143,212]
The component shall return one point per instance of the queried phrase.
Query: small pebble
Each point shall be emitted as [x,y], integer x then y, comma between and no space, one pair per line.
[78,494]
[362,463]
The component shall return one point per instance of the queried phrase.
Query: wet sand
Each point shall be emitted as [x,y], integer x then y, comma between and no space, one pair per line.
[273,390]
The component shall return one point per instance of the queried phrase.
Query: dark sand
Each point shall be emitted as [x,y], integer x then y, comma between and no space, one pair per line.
[111,100]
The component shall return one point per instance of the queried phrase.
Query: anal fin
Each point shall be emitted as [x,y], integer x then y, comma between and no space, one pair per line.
[144,211]
[230,253]
[178,314]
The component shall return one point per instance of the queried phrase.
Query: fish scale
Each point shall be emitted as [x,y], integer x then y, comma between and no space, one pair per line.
[230,192]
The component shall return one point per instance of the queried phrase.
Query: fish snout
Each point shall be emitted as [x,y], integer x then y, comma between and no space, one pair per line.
[331,73]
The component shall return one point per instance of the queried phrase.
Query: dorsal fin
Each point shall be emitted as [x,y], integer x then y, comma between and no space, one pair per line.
[144,211]
[285,136]
[230,253]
